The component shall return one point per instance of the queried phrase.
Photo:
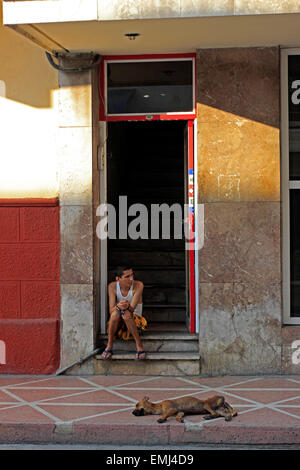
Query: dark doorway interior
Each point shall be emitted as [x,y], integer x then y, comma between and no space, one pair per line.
[145,162]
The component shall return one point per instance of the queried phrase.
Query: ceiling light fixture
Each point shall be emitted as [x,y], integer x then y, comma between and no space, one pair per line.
[132,36]
[169,73]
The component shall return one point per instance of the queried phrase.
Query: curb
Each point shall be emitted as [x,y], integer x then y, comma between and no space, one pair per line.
[163,434]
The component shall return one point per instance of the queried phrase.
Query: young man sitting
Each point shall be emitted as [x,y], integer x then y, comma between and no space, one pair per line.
[125,298]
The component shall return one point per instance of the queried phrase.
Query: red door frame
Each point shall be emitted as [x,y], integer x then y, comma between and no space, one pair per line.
[143,117]
[189,117]
[191,251]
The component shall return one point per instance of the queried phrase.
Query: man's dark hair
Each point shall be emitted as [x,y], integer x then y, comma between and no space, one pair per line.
[120,269]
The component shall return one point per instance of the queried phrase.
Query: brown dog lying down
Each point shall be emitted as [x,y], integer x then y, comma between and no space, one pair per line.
[213,407]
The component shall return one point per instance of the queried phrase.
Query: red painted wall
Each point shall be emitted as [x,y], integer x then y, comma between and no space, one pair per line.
[29,286]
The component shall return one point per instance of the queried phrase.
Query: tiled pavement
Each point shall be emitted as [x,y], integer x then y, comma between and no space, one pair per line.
[98,409]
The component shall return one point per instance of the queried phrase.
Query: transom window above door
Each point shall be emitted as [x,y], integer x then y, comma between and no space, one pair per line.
[153,87]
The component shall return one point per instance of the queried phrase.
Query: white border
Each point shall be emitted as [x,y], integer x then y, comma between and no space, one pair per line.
[286,185]
[167,59]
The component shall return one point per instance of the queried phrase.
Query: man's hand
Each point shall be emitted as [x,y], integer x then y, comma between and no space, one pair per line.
[123,304]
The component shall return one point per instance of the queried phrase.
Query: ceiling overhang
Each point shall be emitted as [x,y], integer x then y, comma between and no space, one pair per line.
[167,35]
[82,26]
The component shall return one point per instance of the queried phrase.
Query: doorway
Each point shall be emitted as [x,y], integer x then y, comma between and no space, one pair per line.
[146,163]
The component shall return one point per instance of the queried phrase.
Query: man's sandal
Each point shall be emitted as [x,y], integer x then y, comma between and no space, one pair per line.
[138,358]
[106,351]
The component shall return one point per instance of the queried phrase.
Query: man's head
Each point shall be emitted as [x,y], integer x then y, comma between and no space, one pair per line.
[124,275]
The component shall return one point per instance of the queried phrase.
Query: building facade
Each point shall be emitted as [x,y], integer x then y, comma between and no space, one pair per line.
[80,128]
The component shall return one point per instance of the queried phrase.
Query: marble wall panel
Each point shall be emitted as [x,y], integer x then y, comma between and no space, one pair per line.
[240,328]
[238,83]
[239,183]
[79,197]
[241,243]
[132,9]
[75,107]
[195,8]
[251,7]
[238,124]
[238,161]
[76,245]
[77,338]
[75,165]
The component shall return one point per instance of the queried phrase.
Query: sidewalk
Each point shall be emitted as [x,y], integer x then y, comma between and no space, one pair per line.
[98,409]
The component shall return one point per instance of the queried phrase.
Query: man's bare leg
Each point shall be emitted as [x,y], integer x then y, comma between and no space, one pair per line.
[113,325]
[132,328]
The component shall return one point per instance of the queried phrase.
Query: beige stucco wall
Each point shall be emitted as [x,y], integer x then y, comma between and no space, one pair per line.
[28,119]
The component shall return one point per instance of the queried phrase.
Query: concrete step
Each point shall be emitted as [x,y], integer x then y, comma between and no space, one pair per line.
[163,295]
[164,315]
[155,245]
[154,356]
[159,343]
[154,199]
[156,363]
[139,257]
[164,306]
[168,161]
[174,192]
[157,177]
[154,267]
[163,277]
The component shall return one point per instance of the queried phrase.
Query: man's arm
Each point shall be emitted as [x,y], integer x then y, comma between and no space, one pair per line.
[137,296]
[112,297]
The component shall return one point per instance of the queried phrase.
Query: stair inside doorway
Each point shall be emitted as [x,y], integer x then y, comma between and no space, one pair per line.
[146,163]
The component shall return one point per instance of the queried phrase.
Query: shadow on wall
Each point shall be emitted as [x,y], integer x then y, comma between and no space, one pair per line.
[241,81]
[28,119]
[25,73]
[238,110]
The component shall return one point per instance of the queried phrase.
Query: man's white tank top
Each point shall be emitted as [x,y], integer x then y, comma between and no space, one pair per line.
[139,308]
